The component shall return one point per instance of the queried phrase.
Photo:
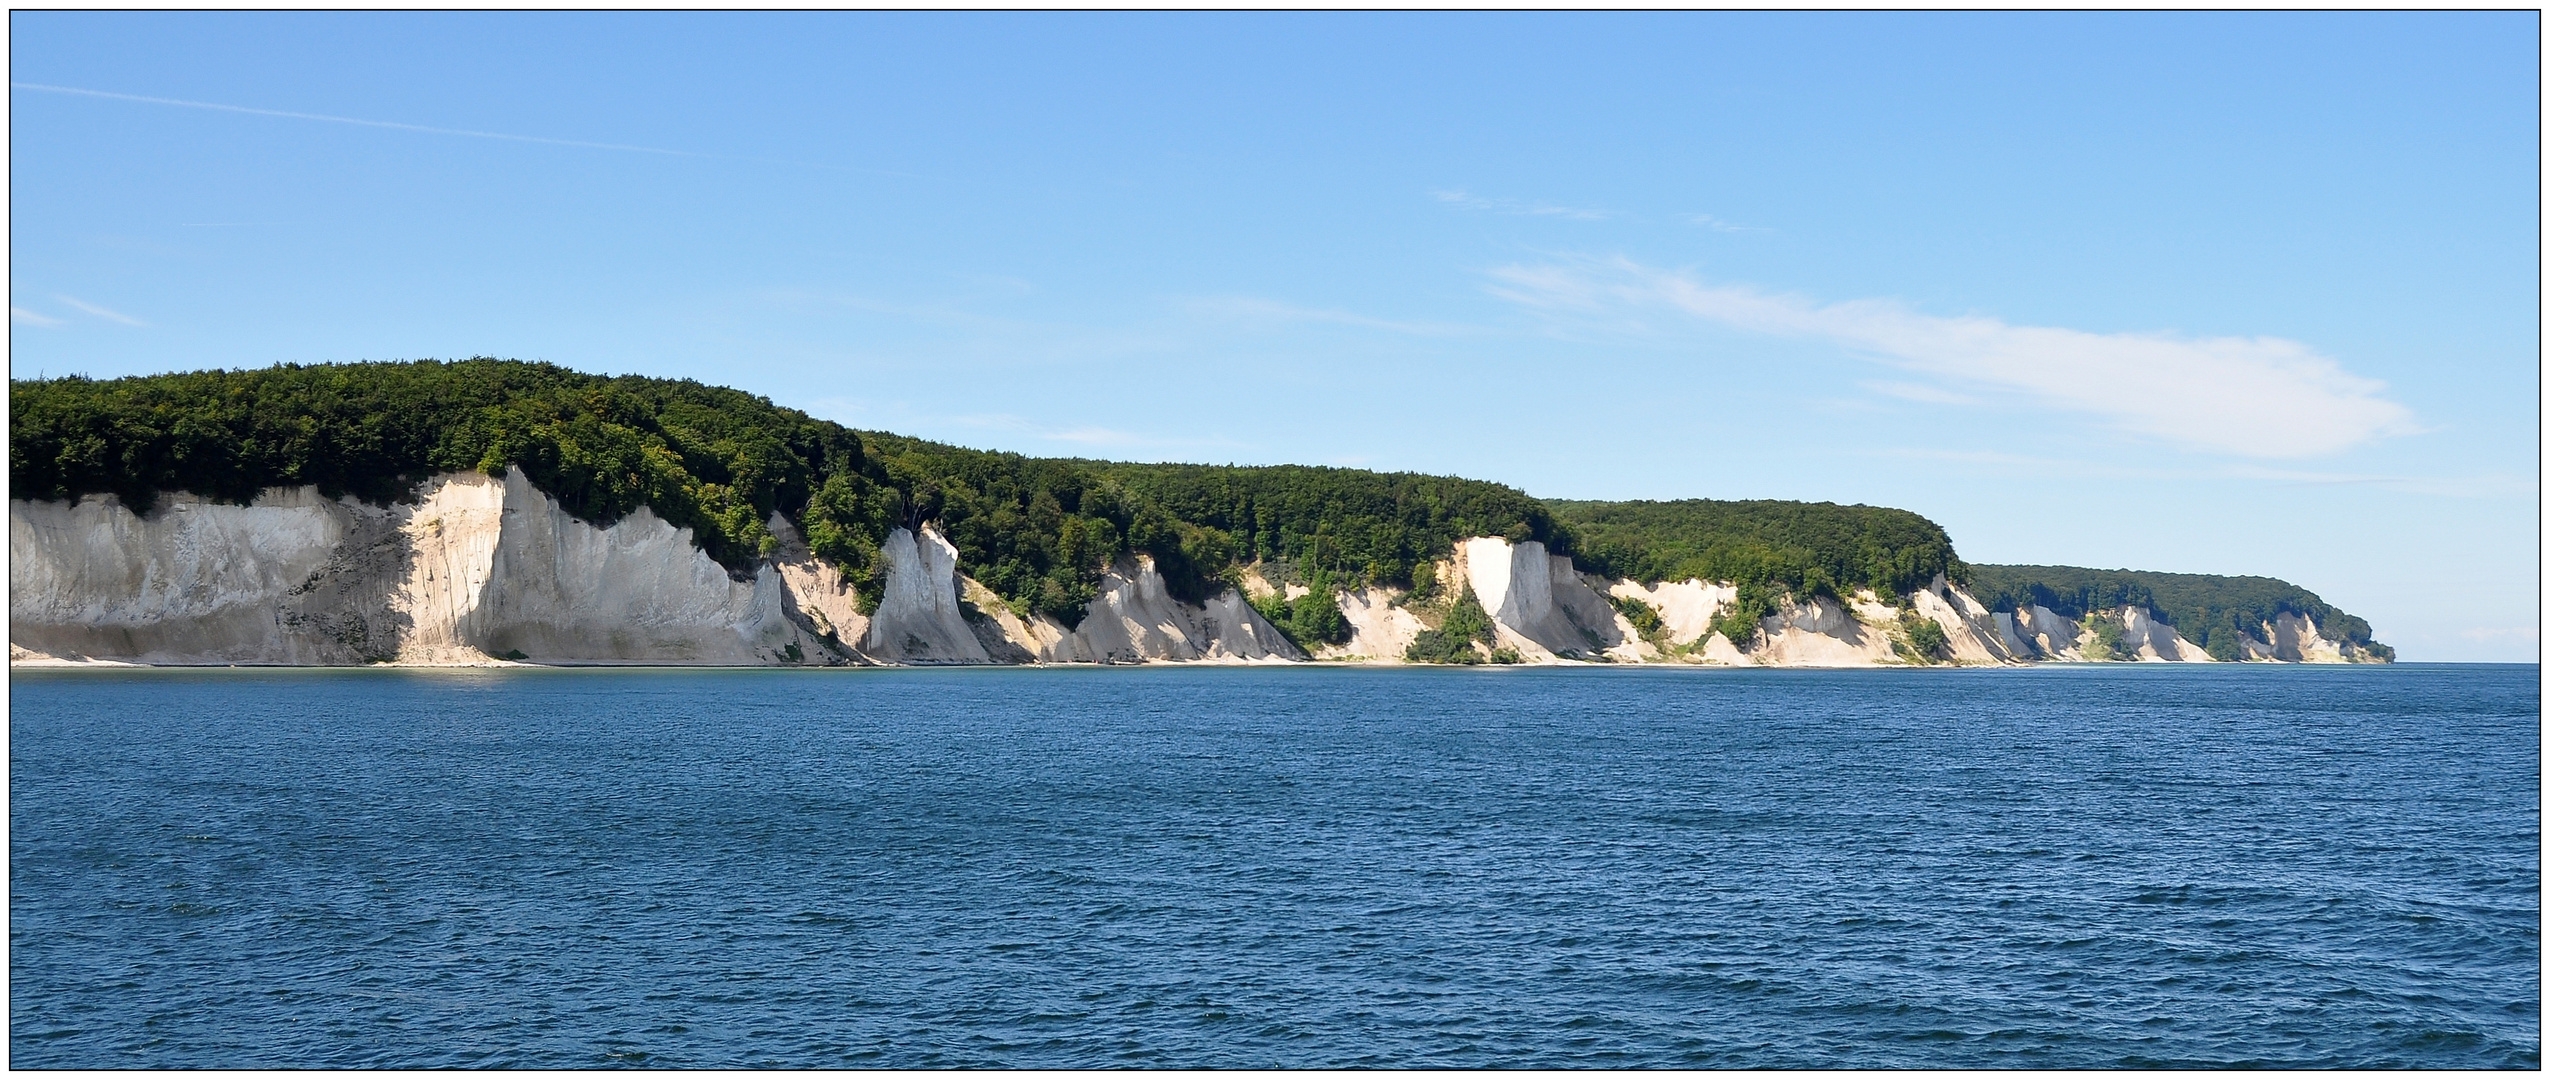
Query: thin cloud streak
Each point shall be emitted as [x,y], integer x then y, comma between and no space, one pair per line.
[2452,487]
[100,312]
[1927,395]
[1276,311]
[28,318]
[1467,201]
[463,132]
[1719,224]
[2259,397]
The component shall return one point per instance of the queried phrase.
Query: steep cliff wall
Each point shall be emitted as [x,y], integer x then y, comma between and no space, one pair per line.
[1134,618]
[290,579]
[2295,639]
[2036,633]
[1541,606]
[919,619]
[475,570]
[1377,627]
[481,570]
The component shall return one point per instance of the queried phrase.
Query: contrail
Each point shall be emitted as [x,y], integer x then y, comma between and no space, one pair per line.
[395,126]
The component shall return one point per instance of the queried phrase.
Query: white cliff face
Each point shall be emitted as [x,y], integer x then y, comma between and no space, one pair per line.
[1135,619]
[1973,636]
[480,570]
[2043,635]
[638,592]
[1377,627]
[816,596]
[2295,639]
[918,620]
[2039,634]
[2150,639]
[453,533]
[196,582]
[1541,606]
[1685,606]
[474,570]
[1822,632]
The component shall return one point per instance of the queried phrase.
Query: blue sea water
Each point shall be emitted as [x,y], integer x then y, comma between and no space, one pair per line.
[2093,866]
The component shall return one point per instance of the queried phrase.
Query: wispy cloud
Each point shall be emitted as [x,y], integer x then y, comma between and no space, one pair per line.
[1927,395]
[1261,310]
[1081,435]
[2257,397]
[424,128]
[1467,201]
[1718,224]
[2486,486]
[2502,633]
[100,312]
[23,317]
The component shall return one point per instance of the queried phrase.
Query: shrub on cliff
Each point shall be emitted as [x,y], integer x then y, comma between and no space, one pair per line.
[1464,628]
[1929,641]
[1311,619]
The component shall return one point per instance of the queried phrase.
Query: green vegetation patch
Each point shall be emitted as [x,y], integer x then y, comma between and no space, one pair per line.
[1925,641]
[1311,619]
[1360,528]
[1040,532]
[1465,627]
[1775,547]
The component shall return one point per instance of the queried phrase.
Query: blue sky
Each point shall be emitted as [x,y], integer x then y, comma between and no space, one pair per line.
[2211,293]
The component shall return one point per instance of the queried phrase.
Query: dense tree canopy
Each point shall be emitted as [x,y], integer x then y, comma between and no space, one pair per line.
[1804,547]
[1039,531]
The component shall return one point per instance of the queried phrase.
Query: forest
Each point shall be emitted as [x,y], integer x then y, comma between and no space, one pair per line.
[1040,532]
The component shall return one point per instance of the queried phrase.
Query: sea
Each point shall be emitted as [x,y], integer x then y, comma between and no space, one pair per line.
[1183,866]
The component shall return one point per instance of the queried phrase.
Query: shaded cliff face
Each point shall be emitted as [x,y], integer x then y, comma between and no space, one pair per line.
[482,570]
[2035,633]
[475,570]
[290,579]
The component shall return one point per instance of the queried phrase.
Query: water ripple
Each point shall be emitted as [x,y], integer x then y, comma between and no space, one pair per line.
[2111,867]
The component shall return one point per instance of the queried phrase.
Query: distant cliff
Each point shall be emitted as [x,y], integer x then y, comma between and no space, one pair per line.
[2072,612]
[495,512]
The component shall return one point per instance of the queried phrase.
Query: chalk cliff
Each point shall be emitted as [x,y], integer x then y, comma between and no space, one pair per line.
[487,570]
[490,570]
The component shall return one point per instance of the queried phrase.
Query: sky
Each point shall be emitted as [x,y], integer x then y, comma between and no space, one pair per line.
[2207,293]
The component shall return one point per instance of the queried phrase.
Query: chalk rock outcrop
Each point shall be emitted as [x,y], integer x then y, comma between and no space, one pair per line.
[1134,619]
[2295,639]
[1541,606]
[485,570]
[476,569]
[1377,627]
[920,619]
[2036,633]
